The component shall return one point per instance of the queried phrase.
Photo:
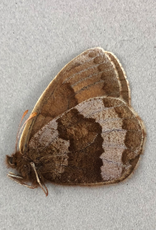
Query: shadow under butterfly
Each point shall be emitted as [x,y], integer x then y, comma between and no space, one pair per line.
[82,130]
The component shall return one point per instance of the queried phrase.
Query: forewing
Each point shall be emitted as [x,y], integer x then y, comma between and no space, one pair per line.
[90,74]
[125,89]
[99,141]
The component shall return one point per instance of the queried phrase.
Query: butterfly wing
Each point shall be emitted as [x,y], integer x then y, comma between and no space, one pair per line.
[90,74]
[125,89]
[99,141]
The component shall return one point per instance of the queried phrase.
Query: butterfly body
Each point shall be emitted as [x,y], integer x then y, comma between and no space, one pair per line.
[85,131]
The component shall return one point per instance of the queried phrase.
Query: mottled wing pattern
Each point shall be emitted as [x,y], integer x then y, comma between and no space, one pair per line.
[91,74]
[99,141]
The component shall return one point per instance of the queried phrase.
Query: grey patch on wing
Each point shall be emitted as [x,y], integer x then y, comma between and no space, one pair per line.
[49,146]
[112,133]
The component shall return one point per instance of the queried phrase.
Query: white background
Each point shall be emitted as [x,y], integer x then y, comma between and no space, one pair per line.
[37,38]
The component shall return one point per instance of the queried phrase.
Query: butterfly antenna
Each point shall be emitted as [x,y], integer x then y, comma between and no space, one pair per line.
[21,127]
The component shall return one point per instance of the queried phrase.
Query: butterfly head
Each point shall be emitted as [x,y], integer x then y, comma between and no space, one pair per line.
[27,171]
[12,161]
[20,163]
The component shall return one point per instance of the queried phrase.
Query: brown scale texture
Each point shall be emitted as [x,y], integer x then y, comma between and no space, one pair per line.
[85,148]
[90,74]
[76,148]
[85,131]
[125,90]
[98,141]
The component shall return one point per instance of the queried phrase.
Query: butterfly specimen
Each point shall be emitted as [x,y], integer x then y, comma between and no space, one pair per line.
[82,130]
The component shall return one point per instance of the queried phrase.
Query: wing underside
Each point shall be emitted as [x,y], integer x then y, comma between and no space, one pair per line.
[99,141]
[91,74]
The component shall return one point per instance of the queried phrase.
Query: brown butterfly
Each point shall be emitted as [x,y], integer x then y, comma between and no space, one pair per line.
[82,130]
